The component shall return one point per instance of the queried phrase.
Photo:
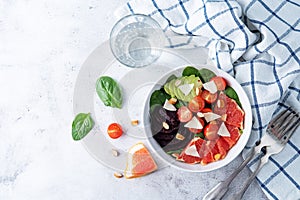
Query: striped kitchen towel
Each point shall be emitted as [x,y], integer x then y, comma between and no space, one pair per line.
[257,42]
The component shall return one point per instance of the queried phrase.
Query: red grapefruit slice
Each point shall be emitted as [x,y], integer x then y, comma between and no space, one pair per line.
[210,152]
[190,153]
[207,151]
[234,135]
[228,106]
[223,147]
[201,147]
[139,162]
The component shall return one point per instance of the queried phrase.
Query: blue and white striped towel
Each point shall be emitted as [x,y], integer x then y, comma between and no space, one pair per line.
[257,42]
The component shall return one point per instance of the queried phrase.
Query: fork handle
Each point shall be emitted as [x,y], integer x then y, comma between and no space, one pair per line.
[220,189]
[261,163]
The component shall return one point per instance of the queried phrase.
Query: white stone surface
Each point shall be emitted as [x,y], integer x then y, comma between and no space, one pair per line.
[42,46]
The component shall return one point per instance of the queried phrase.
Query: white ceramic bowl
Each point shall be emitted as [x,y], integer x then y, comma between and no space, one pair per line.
[233,152]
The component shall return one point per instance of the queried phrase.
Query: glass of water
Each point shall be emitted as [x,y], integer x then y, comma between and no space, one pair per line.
[137,40]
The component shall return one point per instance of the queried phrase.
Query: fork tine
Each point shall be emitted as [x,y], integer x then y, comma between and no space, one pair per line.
[276,123]
[290,133]
[280,115]
[292,126]
[287,123]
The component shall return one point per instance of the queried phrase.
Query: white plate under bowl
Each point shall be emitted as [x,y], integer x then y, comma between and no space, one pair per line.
[233,152]
[136,85]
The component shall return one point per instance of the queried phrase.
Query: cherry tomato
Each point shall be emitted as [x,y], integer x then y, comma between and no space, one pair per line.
[220,82]
[194,130]
[184,114]
[196,104]
[211,131]
[114,130]
[209,97]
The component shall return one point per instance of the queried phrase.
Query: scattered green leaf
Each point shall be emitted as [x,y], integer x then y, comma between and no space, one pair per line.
[81,126]
[109,92]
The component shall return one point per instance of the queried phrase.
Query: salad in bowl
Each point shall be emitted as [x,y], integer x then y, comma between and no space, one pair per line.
[200,118]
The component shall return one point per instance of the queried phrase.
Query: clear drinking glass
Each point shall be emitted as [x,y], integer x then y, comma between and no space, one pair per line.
[137,40]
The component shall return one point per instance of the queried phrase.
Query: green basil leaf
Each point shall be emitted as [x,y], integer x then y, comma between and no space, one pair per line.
[109,92]
[230,92]
[82,125]
[206,75]
[158,97]
[189,70]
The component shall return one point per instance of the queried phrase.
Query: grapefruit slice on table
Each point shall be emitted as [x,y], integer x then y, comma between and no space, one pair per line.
[139,162]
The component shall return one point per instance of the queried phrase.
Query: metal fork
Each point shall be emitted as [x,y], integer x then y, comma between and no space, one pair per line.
[279,131]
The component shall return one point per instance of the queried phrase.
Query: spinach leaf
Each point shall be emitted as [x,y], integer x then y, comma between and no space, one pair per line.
[206,75]
[158,97]
[81,126]
[189,70]
[230,92]
[109,92]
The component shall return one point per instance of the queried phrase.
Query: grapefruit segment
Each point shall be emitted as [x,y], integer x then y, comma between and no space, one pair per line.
[189,159]
[187,156]
[139,162]
[228,106]
[201,147]
[208,158]
[210,153]
[223,147]
[234,135]
[207,151]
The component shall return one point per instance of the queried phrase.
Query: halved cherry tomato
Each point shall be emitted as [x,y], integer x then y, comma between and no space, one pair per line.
[184,114]
[209,97]
[196,104]
[194,130]
[220,82]
[206,110]
[211,130]
[114,130]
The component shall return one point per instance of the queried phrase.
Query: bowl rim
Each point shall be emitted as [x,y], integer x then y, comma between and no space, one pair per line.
[233,152]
